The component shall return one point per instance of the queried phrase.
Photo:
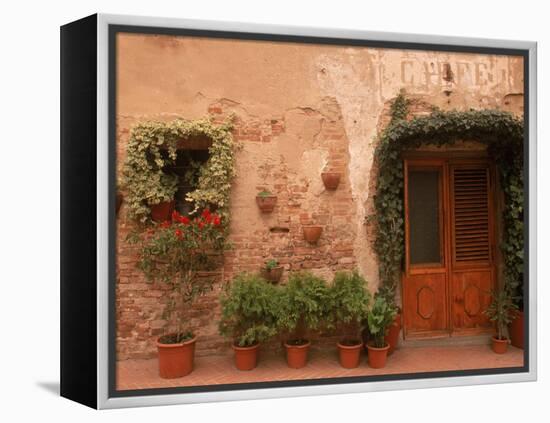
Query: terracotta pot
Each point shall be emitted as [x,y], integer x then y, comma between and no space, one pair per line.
[516,330]
[266,203]
[119,199]
[176,360]
[392,338]
[500,346]
[312,233]
[349,355]
[296,355]
[273,275]
[331,179]
[162,211]
[246,358]
[377,356]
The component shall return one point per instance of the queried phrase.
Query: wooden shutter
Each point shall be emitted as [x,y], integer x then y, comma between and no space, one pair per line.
[470,214]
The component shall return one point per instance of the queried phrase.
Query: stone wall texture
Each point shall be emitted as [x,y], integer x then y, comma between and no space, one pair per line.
[300,109]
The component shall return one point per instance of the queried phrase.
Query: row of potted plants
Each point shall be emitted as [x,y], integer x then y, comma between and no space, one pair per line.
[253,311]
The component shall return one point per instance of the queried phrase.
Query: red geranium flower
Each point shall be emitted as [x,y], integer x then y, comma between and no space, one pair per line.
[201,225]
[206,214]
[165,224]
[217,220]
[184,219]
[175,215]
[179,233]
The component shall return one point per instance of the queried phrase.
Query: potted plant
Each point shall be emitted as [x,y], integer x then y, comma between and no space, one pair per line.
[392,337]
[266,201]
[303,308]
[349,301]
[331,180]
[501,311]
[312,233]
[175,253]
[249,316]
[379,318]
[272,271]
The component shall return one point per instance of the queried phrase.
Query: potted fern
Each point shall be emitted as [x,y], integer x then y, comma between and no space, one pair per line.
[379,318]
[349,301]
[303,308]
[501,312]
[249,317]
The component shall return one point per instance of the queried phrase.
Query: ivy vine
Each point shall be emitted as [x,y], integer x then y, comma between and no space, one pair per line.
[153,146]
[503,135]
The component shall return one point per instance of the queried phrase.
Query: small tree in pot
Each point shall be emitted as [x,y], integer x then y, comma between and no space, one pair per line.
[501,312]
[303,308]
[349,301]
[250,308]
[379,318]
[175,253]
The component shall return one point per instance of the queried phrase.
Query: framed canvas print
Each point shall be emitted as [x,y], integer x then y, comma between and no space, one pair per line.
[254,211]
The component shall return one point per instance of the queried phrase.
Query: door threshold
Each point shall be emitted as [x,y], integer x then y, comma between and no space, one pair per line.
[446,341]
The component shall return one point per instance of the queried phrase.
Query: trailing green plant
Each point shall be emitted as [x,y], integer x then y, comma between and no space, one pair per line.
[348,305]
[153,146]
[176,252]
[271,264]
[250,310]
[500,131]
[379,319]
[501,311]
[304,306]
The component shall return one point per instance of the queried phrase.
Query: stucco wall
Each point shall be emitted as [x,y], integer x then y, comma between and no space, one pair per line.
[300,109]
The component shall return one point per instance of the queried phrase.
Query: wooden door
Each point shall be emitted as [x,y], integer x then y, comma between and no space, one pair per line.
[449,234]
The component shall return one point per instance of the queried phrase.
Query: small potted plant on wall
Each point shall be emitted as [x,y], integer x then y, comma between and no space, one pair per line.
[501,311]
[272,271]
[266,201]
[175,253]
[303,307]
[331,180]
[349,301]
[249,316]
[379,318]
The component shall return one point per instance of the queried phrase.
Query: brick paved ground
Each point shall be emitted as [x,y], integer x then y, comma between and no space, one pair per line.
[220,369]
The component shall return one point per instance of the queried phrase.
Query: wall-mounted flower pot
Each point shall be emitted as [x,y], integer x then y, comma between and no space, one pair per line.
[175,360]
[296,354]
[162,211]
[246,358]
[266,203]
[377,356]
[349,354]
[500,346]
[119,199]
[331,179]
[392,337]
[273,275]
[312,233]
[516,330]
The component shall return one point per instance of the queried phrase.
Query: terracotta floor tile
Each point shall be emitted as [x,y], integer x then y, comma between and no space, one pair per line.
[220,369]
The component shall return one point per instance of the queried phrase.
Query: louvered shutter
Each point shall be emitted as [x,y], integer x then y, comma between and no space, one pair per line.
[471,225]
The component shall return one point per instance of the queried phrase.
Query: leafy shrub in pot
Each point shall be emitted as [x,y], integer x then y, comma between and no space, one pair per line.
[501,312]
[250,310]
[349,300]
[380,317]
[304,307]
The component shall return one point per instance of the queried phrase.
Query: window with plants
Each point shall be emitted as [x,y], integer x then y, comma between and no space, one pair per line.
[500,131]
[152,150]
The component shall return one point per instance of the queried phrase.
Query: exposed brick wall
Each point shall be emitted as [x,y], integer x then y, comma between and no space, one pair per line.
[140,305]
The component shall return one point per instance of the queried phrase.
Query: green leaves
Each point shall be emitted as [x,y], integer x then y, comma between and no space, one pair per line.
[250,310]
[380,318]
[501,310]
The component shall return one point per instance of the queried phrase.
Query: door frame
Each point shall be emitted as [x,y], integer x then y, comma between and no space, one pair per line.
[445,160]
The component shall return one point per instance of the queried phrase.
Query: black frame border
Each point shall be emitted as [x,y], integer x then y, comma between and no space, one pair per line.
[114,29]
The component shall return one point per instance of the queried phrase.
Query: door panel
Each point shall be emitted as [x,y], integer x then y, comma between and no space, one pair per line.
[449,242]
[426,308]
[472,274]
